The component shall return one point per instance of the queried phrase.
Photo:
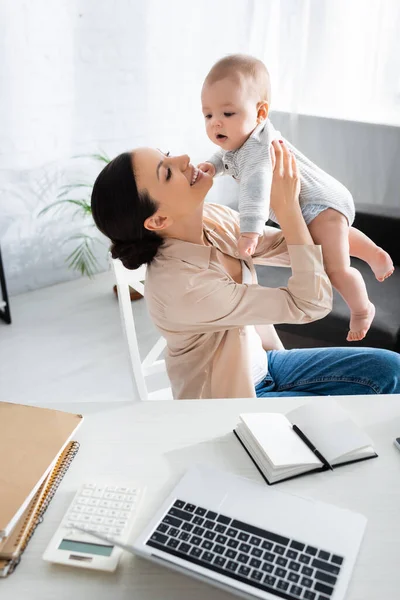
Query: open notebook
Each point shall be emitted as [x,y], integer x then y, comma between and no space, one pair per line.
[317,436]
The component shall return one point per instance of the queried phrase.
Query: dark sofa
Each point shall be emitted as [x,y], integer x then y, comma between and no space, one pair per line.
[382,225]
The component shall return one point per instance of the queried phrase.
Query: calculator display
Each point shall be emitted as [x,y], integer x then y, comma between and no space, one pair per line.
[74,546]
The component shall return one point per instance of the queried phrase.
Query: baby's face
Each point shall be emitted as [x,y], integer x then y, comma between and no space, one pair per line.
[230,112]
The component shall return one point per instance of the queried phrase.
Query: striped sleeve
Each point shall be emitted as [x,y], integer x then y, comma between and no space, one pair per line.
[217,161]
[255,166]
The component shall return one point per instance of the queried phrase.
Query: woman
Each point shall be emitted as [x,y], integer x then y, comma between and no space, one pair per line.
[206,302]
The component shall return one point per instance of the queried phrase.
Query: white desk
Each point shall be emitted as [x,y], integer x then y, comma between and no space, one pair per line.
[154,442]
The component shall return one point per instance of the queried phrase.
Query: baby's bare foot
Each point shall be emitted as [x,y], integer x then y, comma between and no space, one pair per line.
[382,265]
[360,323]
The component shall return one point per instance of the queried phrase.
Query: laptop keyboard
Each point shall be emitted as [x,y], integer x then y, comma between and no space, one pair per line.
[282,566]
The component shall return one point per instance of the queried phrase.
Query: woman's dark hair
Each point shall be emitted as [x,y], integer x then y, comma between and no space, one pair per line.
[120,210]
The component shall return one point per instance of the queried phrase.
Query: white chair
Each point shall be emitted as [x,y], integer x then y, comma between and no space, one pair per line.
[152,364]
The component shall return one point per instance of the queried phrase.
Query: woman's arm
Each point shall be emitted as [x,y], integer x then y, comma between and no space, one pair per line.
[212,301]
[285,197]
[285,204]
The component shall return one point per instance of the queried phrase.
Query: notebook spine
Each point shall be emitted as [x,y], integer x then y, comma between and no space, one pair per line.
[58,473]
[28,516]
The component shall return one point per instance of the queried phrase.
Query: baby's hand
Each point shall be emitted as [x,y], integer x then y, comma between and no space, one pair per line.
[247,244]
[207,167]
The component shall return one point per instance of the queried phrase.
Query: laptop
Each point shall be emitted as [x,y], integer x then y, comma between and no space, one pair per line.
[251,540]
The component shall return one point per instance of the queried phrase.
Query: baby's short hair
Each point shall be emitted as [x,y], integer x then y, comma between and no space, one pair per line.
[249,67]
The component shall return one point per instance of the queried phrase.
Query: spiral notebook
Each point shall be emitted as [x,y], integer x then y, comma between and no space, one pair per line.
[31,440]
[12,547]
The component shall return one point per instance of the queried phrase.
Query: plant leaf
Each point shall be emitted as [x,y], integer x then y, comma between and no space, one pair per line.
[78,184]
[82,258]
[83,205]
[100,156]
[81,236]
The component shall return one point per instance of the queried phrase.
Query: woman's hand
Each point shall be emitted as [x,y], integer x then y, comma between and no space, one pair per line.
[285,191]
[285,187]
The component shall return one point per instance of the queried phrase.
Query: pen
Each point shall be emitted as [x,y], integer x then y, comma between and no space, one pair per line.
[104,538]
[312,448]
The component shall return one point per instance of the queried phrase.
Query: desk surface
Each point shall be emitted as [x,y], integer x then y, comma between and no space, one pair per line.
[153,443]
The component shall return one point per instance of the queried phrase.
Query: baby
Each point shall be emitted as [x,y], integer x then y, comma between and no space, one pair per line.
[235,100]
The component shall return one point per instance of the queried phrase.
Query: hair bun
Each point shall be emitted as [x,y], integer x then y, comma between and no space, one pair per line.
[136,253]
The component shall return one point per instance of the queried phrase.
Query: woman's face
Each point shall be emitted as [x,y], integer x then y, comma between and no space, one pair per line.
[178,187]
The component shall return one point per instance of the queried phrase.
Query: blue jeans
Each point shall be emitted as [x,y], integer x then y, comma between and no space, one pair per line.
[330,371]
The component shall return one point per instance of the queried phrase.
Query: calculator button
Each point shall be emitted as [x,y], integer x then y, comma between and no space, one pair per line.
[111,488]
[69,524]
[88,510]
[120,522]
[123,490]
[113,513]
[101,511]
[97,520]
[98,493]
[84,518]
[120,497]
[75,516]
[117,531]
[90,486]
[87,492]
[82,501]
[127,505]
[93,502]
[124,514]
[104,529]
[116,504]
[109,496]
[109,521]
[79,508]
[130,498]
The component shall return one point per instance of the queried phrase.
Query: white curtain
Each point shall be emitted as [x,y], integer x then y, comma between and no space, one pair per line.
[336,58]
[82,75]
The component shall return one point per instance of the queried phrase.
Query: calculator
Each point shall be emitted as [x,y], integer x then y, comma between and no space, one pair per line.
[107,510]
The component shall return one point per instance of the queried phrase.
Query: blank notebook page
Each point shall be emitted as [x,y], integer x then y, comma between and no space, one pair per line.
[329,428]
[281,445]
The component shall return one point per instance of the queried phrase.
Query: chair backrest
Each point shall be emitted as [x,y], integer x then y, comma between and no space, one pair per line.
[125,279]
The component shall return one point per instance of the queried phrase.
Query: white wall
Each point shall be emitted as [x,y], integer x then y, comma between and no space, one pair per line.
[82,75]
[70,85]
[77,76]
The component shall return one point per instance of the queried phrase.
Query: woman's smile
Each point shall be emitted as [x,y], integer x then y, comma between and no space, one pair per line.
[196,175]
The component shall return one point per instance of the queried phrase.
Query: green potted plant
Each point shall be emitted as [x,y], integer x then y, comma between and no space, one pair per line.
[75,197]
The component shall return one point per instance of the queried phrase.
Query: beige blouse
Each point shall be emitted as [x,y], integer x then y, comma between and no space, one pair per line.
[202,312]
